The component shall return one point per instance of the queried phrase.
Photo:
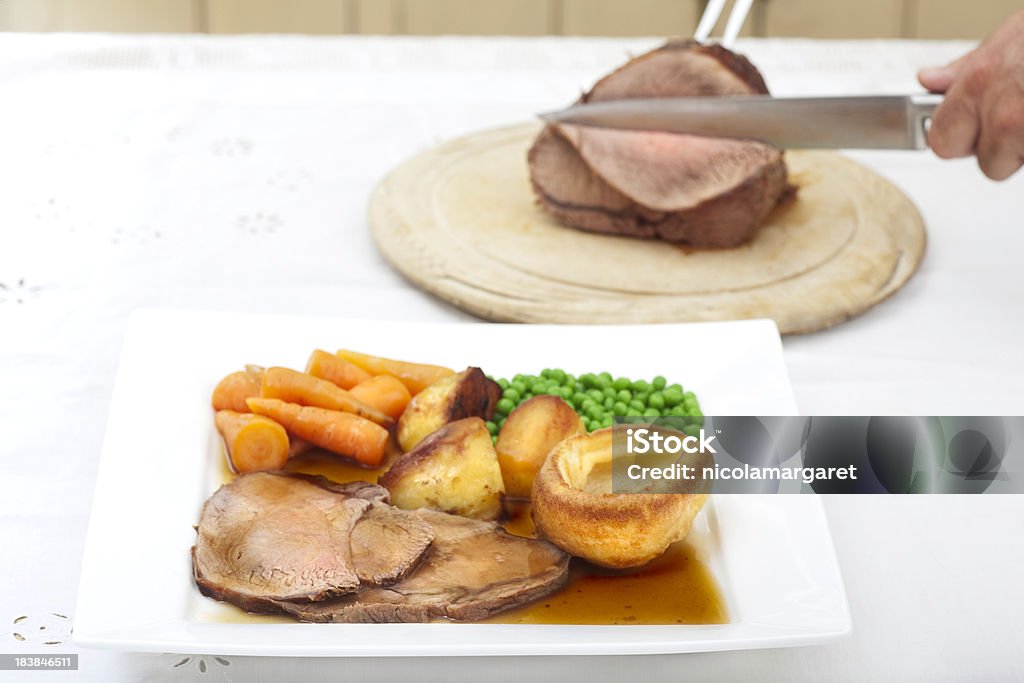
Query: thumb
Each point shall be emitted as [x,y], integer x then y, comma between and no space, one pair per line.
[939,78]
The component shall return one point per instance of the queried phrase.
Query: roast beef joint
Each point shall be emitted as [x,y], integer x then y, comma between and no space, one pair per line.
[688,189]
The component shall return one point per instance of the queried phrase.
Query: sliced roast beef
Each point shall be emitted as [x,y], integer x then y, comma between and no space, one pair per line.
[681,188]
[473,569]
[267,537]
[387,544]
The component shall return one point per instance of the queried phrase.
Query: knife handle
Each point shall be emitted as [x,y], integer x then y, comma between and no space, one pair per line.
[921,109]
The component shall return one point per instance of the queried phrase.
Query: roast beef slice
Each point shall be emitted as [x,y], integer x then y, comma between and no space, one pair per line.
[267,537]
[473,569]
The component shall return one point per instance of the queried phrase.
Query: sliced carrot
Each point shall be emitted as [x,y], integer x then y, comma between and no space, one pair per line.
[385,393]
[231,392]
[298,387]
[415,376]
[337,370]
[342,433]
[254,442]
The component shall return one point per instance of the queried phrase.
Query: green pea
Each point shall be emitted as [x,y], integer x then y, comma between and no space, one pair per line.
[503,383]
[596,394]
[519,385]
[570,381]
[565,392]
[607,376]
[589,380]
[637,407]
[652,412]
[673,396]
[505,406]
[642,396]
[621,383]
[624,395]
[692,430]
[620,408]
[656,401]
[512,395]
[527,396]
[538,387]
[587,404]
[609,393]
[609,402]
[578,398]
[595,412]
[545,373]
[678,411]
[659,382]
[586,422]
[607,421]
[640,386]
[603,382]
[558,375]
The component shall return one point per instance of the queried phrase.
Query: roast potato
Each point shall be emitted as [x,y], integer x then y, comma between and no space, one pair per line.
[575,508]
[529,434]
[465,394]
[454,470]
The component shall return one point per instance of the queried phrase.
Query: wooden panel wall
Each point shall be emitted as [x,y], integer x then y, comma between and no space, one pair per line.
[808,18]
[510,17]
[860,19]
[935,19]
[617,18]
[137,16]
[277,16]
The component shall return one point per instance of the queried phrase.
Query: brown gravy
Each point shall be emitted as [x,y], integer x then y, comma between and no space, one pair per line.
[676,588]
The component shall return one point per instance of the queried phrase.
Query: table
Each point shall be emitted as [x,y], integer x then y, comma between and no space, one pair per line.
[232,173]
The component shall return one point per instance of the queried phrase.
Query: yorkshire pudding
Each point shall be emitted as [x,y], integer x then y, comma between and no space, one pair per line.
[574,507]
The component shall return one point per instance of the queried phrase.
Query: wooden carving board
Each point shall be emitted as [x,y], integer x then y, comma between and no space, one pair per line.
[461,221]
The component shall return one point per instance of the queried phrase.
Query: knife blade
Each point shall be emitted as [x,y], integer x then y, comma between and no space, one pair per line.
[863,122]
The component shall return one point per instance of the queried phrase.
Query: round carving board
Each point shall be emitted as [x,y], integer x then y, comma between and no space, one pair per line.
[461,221]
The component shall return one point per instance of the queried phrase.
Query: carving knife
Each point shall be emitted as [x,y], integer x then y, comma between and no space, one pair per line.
[865,122]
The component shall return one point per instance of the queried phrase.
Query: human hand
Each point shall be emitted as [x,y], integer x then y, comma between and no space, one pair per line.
[983,110]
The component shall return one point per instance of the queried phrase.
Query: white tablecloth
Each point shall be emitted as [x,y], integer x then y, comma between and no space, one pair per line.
[233,173]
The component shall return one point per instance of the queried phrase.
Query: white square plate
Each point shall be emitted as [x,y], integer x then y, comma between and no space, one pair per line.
[771,555]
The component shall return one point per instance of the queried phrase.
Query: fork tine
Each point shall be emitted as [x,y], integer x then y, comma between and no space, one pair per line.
[712,12]
[735,22]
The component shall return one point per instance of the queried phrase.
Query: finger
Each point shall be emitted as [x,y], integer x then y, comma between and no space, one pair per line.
[954,128]
[999,144]
[939,78]
[998,161]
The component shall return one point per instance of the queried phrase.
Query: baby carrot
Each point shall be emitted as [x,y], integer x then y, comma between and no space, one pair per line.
[298,387]
[337,370]
[385,393]
[253,442]
[342,433]
[415,376]
[231,392]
